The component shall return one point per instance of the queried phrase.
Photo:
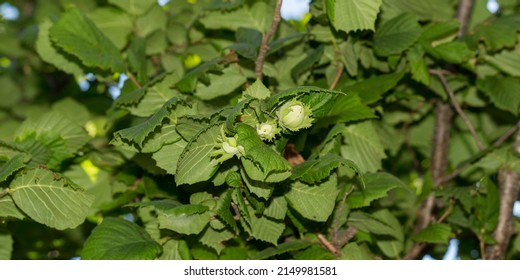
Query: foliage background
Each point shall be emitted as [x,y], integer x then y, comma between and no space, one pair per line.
[414,103]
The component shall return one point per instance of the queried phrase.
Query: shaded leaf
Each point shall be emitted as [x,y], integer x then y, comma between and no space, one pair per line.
[377,185]
[434,233]
[503,92]
[195,162]
[118,239]
[313,202]
[396,35]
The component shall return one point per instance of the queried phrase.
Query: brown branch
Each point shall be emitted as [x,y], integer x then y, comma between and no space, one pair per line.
[441,135]
[323,240]
[132,78]
[264,47]
[445,214]
[339,210]
[339,72]
[343,237]
[463,15]
[509,182]
[461,113]
[236,217]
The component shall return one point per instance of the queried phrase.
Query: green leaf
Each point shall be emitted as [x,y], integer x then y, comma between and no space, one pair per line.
[258,188]
[14,164]
[439,10]
[155,19]
[79,36]
[315,170]
[499,158]
[72,110]
[247,42]
[372,89]
[305,64]
[185,219]
[117,239]
[51,138]
[371,224]
[189,126]
[286,247]
[9,209]
[134,7]
[51,54]
[138,134]
[352,15]
[114,23]
[221,84]
[353,251]
[396,35]
[168,156]
[6,246]
[417,65]
[165,136]
[439,30]
[500,33]
[277,208]
[256,16]
[434,233]
[503,92]
[273,166]
[506,62]
[391,248]
[314,252]
[50,199]
[223,209]
[215,238]
[313,202]
[196,163]
[452,52]
[257,90]
[377,185]
[265,229]
[175,250]
[363,146]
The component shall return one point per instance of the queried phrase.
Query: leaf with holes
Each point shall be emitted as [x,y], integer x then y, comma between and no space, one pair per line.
[50,198]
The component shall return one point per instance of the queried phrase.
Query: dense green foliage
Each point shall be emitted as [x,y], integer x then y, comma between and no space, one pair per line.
[328,156]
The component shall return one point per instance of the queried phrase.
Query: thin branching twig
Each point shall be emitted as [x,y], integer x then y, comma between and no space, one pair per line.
[326,243]
[339,72]
[461,113]
[264,46]
[134,81]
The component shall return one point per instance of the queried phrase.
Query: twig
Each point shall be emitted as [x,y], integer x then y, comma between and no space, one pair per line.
[339,72]
[506,135]
[339,210]
[463,15]
[446,214]
[500,140]
[236,217]
[441,136]
[465,118]
[264,47]
[343,237]
[132,78]
[509,182]
[482,245]
[327,244]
